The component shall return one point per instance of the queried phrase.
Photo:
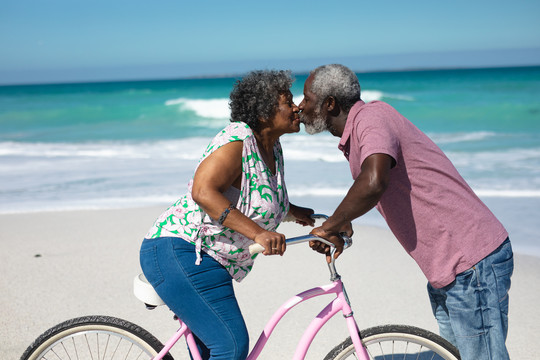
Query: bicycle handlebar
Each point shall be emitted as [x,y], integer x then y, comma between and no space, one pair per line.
[256,248]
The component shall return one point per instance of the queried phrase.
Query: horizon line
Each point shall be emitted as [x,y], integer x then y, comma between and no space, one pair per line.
[242,73]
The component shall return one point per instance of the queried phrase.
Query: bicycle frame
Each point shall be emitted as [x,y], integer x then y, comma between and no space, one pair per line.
[340,303]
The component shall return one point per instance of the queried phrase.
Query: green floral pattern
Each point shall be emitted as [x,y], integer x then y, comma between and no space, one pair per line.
[263,198]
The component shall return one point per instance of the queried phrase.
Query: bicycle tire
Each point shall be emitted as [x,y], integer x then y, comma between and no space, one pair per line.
[397,342]
[94,337]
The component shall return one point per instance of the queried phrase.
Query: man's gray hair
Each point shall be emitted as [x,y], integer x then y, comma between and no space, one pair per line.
[338,81]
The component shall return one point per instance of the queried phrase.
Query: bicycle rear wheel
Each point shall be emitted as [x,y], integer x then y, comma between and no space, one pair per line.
[94,337]
[397,342]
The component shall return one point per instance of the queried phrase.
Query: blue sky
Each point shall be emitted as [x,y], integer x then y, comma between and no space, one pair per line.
[76,40]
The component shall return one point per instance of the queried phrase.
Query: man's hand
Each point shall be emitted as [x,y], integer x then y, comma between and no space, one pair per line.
[323,248]
[347,229]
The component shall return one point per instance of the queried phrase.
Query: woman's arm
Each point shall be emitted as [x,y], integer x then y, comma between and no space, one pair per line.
[219,171]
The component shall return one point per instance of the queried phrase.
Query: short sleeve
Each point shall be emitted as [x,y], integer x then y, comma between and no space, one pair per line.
[236,131]
[376,134]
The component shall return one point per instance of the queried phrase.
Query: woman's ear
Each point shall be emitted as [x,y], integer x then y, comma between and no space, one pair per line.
[263,121]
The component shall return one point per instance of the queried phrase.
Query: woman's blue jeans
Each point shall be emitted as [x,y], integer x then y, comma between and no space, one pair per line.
[472,311]
[201,295]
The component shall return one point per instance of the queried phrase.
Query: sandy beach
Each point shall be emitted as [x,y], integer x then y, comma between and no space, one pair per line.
[60,265]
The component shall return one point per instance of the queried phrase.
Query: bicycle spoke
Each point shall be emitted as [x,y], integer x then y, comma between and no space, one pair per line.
[115,349]
[88,346]
[382,351]
[97,346]
[131,347]
[139,356]
[65,350]
[106,346]
[74,347]
[56,355]
[406,351]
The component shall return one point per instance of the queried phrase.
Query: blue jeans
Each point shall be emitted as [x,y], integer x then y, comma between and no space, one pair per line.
[472,311]
[201,295]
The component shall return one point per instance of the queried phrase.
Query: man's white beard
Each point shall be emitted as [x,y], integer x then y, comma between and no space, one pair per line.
[317,125]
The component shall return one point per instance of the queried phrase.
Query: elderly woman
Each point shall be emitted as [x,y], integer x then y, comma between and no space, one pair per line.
[236,197]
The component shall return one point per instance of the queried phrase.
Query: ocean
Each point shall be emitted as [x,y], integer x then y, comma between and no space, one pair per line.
[132,144]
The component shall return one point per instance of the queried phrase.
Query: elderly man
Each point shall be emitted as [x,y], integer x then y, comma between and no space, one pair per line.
[459,245]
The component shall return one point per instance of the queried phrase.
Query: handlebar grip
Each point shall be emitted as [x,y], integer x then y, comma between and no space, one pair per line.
[255,248]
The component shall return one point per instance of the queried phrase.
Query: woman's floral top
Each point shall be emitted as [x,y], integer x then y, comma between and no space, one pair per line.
[263,198]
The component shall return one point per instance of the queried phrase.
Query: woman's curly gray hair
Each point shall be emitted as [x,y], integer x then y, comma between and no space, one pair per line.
[338,81]
[256,96]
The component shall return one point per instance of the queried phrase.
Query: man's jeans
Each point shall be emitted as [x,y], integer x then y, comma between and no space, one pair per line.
[472,311]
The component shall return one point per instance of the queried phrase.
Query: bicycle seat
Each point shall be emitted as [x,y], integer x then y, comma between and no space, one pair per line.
[145,292]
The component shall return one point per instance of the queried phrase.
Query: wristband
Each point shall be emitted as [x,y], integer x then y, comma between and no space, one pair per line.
[225,213]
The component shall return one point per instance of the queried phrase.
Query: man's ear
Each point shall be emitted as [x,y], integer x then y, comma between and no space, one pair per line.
[330,103]
[332,106]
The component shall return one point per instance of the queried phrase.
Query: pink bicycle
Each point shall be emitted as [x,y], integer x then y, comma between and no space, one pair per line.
[105,337]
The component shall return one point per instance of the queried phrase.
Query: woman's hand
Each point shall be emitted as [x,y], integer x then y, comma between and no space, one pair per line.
[273,242]
[301,215]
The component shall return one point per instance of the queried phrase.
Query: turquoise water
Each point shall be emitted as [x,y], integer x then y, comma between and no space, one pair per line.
[500,100]
[102,145]
[107,111]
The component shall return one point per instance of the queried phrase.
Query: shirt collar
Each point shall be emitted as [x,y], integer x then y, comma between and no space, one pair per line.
[349,126]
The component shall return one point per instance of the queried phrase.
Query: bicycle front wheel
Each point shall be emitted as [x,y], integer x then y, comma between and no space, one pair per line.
[397,342]
[94,337]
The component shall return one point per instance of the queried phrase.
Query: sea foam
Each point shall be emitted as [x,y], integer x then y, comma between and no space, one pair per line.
[449,138]
[207,108]
[189,149]
[219,108]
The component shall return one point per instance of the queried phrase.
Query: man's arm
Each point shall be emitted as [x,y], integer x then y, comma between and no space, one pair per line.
[363,195]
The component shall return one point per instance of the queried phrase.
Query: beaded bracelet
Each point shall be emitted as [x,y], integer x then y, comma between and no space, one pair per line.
[225,213]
